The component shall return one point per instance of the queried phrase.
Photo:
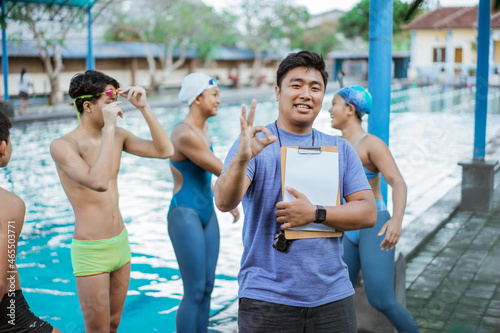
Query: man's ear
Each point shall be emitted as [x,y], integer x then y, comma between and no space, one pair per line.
[3,147]
[277,91]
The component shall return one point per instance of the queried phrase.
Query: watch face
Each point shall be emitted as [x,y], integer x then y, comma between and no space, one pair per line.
[320,215]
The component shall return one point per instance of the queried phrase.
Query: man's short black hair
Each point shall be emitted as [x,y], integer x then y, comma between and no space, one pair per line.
[304,58]
[89,83]
[5,126]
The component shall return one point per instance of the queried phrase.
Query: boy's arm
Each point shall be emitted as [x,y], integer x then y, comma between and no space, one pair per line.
[160,146]
[66,155]
[12,210]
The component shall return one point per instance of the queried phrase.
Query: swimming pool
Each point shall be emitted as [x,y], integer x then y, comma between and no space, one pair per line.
[431,130]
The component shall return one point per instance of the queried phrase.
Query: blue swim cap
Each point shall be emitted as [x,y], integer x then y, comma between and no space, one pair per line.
[359,97]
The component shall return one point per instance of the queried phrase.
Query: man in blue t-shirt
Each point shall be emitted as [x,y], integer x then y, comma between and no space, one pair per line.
[307,287]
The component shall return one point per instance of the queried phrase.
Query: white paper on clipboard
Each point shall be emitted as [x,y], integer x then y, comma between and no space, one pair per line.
[316,176]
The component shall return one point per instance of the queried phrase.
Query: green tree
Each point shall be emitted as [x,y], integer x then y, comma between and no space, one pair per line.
[321,40]
[174,25]
[50,26]
[269,25]
[356,22]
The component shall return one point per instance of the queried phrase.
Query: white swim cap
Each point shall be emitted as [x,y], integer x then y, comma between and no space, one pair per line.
[195,84]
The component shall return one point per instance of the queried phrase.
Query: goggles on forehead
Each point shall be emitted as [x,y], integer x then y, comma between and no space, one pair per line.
[211,82]
[111,93]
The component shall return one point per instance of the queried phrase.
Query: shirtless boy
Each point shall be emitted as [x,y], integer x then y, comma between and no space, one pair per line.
[88,161]
[15,314]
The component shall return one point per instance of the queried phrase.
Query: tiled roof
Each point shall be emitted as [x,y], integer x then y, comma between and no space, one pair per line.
[116,50]
[450,18]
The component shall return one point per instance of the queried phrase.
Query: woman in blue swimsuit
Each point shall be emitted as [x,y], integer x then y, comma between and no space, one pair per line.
[192,223]
[369,249]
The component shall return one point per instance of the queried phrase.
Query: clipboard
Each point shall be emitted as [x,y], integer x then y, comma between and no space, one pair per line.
[311,154]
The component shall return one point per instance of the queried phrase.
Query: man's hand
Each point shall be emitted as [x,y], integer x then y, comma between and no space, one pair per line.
[295,213]
[250,144]
[110,113]
[392,229]
[135,95]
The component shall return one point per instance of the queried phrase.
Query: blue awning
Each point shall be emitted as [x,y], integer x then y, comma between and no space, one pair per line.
[66,3]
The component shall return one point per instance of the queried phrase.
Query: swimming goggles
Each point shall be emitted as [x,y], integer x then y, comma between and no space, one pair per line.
[111,93]
[213,82]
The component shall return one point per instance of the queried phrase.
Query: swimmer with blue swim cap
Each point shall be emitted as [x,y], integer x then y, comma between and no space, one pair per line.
[362,248]
[358,97]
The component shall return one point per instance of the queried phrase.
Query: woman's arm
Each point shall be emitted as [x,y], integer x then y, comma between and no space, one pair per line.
[381,157]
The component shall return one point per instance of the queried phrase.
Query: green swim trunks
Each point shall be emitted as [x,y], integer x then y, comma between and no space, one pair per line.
[100,256]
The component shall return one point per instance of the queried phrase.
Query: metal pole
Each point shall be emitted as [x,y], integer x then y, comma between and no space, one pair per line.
[379,71]
[90,55]
[5,57]
[483,51]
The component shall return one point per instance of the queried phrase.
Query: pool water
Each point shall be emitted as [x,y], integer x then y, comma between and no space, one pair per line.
[431,131]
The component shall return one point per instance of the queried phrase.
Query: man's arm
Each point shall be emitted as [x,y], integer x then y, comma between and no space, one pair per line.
[232,185]
[12,210]
[160,146]
[359,211]
[66,155]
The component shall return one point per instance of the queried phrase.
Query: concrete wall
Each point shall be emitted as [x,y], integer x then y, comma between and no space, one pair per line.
[422,65]
[427,40]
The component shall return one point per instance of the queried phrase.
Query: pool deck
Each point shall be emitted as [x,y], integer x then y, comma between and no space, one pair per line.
[453,280]
[453,257]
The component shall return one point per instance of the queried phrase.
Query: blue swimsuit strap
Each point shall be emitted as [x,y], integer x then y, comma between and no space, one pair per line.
[361,138]
[183,122]
[191,127]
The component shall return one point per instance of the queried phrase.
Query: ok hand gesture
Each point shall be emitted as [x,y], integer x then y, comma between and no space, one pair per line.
[250,144]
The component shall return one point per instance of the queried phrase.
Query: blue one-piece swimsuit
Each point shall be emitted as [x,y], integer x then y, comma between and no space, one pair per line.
[196,191]
[194,232]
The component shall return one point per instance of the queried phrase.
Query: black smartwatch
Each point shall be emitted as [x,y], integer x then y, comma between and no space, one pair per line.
[320,214]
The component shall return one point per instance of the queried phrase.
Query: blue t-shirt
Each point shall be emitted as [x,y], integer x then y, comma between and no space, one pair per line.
[312,272]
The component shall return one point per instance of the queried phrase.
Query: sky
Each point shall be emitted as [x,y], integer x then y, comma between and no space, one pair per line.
[320,6]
